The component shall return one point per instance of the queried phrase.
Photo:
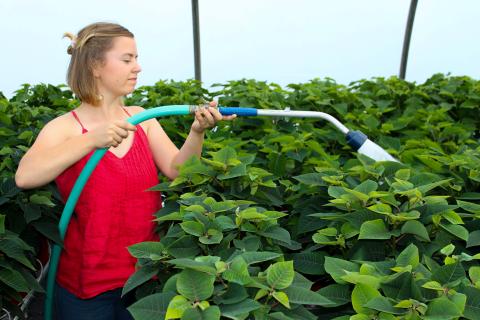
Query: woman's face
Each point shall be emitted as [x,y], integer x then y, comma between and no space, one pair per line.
[118,73]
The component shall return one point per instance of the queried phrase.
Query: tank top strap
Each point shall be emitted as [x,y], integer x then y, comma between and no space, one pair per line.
[126,112]
[79,122]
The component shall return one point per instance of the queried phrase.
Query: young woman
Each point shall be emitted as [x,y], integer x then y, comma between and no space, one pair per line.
[114,210]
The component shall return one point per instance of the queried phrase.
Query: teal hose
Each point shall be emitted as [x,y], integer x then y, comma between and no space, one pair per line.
[78,188]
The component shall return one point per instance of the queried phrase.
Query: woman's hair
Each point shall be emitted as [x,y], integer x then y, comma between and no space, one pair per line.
[88,50]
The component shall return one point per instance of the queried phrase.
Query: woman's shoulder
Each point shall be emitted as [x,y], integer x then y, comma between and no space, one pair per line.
[62,127]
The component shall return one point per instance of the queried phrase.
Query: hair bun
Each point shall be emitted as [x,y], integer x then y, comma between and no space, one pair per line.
[73,39]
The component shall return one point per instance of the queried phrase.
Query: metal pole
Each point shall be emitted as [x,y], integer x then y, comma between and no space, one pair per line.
[406,39]
[196,40]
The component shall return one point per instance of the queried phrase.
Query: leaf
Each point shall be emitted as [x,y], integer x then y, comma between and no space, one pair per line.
[361,295]
[233,311]
[374,229]
[148,250]
[409,257]
[416,228]
[449,273]
[469,206]
[237,272]
[256,257]
[337,267]
[442,309]
[193,227]
[177,307]
[42,200]
[195,285]
[384,305]
[14,279]
[280,275]
[151,307]
[311,179]
[237,171]
[472,306]
[213,236]
[234,294]
[306,296]
[140,276]
[282,298]
[456,230]
[473,239]
[211,313]
[309,262]
[367,186]
[337,293]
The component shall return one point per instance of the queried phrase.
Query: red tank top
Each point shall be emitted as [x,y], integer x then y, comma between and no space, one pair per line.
[114,211]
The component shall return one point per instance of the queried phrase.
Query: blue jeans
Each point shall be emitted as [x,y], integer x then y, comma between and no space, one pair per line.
[106,306]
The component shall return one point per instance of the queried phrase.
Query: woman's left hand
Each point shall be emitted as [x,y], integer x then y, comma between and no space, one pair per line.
[208,117]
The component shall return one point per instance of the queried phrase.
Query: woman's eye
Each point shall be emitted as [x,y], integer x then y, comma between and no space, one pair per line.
[126,61]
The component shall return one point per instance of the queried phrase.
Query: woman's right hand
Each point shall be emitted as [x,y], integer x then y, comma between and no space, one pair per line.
[112,134]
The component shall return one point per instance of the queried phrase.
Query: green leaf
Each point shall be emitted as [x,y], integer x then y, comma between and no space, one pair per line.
[14,247]
[442,309]
[473,239]
[311,179]
[337,267]
[237,272]
[409,257]
[213,236]
[449,273]
[14,279]
[187,263]
[301,295]
[43,200]
[140,276]
[337,293]
[416,228]
[384,305]
[256,257]
[282,298]
[472,306]
[309,262]
[211,313]
[456,230]
[237,171]
[177,307]
[152,307]
[469,206]
[152,250]
[361,295]
[195,285]
[280,275]
[234,311]
[374,229]
[234,294]
[193,228]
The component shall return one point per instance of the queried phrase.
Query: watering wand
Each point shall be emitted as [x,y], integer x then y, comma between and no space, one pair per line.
[356,139]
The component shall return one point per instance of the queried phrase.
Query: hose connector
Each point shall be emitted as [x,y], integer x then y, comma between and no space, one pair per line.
[193,108]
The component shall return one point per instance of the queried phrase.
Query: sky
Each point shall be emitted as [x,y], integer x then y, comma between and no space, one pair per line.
[280,41]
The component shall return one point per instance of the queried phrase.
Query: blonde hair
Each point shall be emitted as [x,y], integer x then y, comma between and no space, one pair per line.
[88,50]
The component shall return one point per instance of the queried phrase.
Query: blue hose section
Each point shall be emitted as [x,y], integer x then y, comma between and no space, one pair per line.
[243,112]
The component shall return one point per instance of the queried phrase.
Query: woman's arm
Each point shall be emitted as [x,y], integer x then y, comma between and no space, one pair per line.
[58,146]
[166,155]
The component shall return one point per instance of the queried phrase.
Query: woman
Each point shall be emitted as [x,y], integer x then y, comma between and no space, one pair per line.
[114,210]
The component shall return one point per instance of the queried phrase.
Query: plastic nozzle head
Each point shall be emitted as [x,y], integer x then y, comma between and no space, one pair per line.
[374,151]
